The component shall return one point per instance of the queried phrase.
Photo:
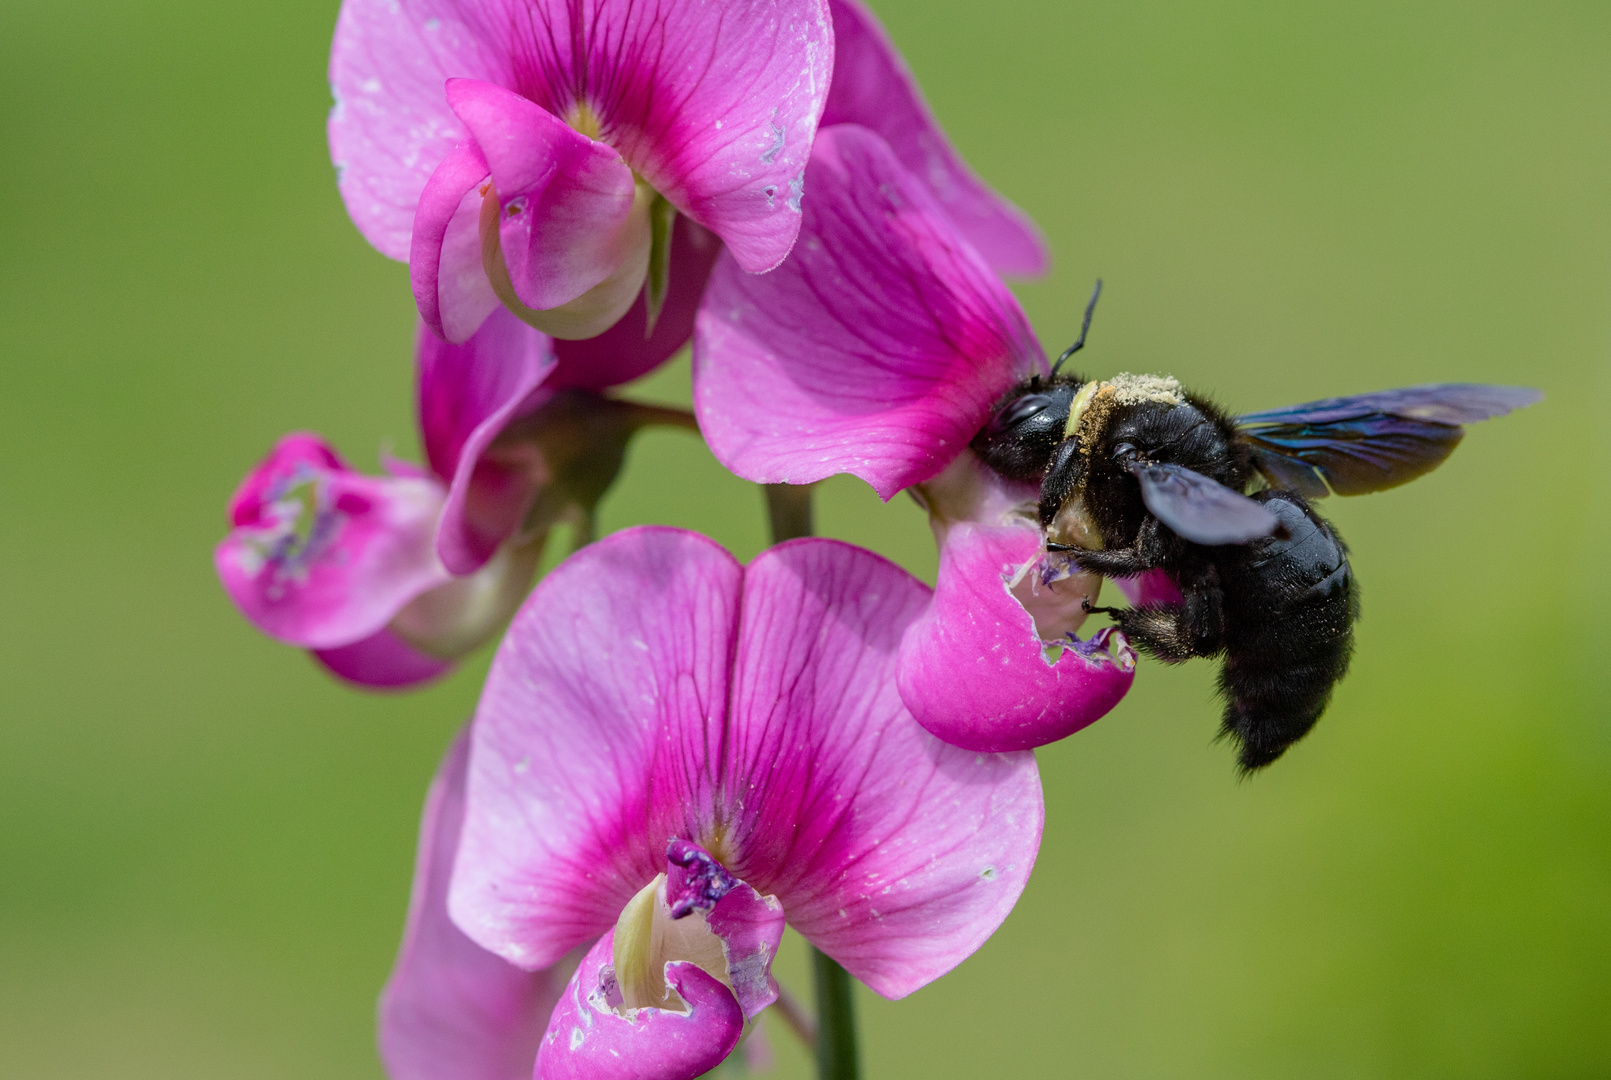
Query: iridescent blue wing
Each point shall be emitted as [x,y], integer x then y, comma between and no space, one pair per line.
[1371,442]
[1199,509]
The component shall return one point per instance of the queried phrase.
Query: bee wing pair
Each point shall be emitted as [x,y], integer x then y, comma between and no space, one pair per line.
[1348,445]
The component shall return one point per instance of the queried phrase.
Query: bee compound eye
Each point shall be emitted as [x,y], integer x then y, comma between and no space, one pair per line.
[1023,409]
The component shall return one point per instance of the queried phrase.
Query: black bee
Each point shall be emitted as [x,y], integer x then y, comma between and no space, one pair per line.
[1136,474]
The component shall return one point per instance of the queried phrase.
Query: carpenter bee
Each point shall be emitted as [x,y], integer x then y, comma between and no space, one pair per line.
[1138,474]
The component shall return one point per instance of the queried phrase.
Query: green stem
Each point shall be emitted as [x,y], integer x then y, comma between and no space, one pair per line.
[836,1021]
[788,509]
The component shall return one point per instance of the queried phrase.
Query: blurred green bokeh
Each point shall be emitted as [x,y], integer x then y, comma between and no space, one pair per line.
[205,844]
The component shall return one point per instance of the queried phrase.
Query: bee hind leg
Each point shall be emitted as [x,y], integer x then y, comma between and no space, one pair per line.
[1159,630]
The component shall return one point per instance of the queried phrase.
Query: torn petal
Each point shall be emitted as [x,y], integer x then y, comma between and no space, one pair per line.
[975,671]
[592,1036]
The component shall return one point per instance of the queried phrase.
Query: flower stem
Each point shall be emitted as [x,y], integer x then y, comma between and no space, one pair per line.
[836,1021]
[793,1014]
[788,509]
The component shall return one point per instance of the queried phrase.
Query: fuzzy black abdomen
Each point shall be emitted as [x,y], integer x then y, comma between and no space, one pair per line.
[1290,607]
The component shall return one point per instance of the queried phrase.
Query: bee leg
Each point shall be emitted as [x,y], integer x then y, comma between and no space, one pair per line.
[1152,547]
[1113,562]
[1155,629]
[1175,633]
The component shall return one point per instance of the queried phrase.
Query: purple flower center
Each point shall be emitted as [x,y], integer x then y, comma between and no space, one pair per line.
[703,880]
[304,523]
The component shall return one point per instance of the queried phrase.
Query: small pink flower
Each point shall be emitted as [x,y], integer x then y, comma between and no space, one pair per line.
[677,752]
[534,152]
[388,579]
[879,349]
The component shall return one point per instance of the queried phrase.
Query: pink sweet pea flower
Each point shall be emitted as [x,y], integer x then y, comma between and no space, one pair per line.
[451,1010]
[678,752]
[389,579]
[535,152]
[880,349]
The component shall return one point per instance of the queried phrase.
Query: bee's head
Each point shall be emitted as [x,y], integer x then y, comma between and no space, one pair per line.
[1025,428]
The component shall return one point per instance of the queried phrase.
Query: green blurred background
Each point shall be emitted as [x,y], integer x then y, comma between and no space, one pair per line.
[205,844]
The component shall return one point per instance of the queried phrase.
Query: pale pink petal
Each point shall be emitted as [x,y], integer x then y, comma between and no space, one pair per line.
[1153,587]
[973,670]
[391,125]
[451,1010]
[382,661]
[873,87]
[564,199]
[894,853]
[587,1041]
[467,395]
[623,353]
[877,349]
[322,556]
[596,740]
[445,267]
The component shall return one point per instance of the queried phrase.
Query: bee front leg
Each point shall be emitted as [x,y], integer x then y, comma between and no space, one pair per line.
[1149,551]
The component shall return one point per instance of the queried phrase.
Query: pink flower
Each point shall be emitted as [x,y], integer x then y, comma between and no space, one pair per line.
[880,349]
[699,112]
[535,152]
[678,752]
[451,1010]
[388,579]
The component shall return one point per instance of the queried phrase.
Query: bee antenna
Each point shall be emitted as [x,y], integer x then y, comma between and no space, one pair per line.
[1085,328]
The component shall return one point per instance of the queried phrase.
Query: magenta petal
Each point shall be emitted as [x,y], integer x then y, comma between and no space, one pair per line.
[622,353]
[1153,587]
[894,853]
[444,261]
[391,125]
[563,197]
[321,556]
[586,1040]
[467,395]
[451,1010]
[872,87]
[877,349]
[587,755]
[382,661]
[972,669]
[714,103]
